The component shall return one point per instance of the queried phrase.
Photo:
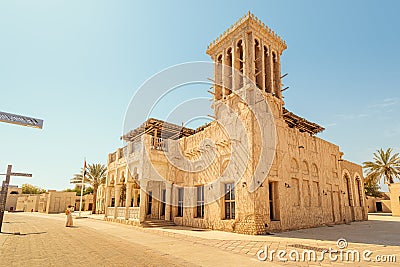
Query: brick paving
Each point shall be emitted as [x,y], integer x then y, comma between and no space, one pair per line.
[113,244]
[367,236]
[33,239]
[47,242]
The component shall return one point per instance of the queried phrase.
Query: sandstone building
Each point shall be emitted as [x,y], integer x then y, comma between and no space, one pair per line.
[28,203]
[216,177]
[87,202]
[388,202]
[51,201]
[379,204]
[56,201]
[395,198]
[13,193]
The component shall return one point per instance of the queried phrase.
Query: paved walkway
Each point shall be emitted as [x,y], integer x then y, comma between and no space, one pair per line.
[45,241]
[35,239]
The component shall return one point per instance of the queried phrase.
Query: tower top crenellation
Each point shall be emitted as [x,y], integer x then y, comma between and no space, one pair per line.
[249,18]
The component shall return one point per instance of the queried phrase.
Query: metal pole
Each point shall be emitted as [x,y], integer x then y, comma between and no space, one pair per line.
[83,178]
[4,190]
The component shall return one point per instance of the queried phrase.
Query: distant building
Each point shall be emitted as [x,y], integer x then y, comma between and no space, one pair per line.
[28,203]
[14,192]
[87,203]
[389,202]
[56,201]
[49,202]
[395,198]
[379,204]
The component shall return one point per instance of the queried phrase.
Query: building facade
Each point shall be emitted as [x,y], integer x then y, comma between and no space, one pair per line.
[56,201]
[53,202]
[379,204]
[28,203]
[227,175]
[87,202]
[395,198]
[13,193]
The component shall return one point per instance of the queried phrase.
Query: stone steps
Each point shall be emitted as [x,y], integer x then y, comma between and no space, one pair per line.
[157,223]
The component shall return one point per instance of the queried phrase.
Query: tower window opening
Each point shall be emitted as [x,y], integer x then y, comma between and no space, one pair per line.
[228,72]
[267,71]
[218,79]
[239,64]
[257,64]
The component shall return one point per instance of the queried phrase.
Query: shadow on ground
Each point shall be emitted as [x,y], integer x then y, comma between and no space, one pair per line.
[377,230]
[18,233]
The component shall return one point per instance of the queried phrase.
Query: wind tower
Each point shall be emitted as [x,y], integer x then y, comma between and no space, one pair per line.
[253,49]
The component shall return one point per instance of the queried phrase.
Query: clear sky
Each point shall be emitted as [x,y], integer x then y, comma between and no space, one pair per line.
[76,64]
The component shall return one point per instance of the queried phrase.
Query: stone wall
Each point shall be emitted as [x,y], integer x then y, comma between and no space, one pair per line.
[56,202]
[87,202]
[12,197]
[395,198]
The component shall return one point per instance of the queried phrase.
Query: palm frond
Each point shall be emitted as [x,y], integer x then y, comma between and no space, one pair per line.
[95,175]
[384,166]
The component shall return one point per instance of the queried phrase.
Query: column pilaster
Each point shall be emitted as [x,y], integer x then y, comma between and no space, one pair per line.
[168,201]
[117,199]
[107,201]
[277,71]
[143,199]
[269,72]
[249,54]
[128,199]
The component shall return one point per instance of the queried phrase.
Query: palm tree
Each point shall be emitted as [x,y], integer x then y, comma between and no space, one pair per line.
[95,175]
[384,166]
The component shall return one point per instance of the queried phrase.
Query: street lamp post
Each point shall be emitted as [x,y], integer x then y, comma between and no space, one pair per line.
[4,190]
[23,121]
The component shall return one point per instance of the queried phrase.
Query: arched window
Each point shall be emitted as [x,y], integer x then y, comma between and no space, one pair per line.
[294,166]
[122,177]
[314,170]
[359,191]
[305,168]
[239,64]
[122,196]
[316,191]
[228,72]
[348,189]
[276,71]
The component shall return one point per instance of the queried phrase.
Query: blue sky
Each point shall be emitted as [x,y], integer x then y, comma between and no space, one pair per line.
[76,64]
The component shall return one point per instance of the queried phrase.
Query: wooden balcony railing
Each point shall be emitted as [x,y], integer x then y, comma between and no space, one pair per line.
[159,144]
